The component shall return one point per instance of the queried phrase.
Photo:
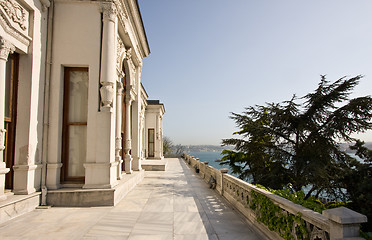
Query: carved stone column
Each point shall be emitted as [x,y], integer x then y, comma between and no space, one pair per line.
[108,55]
[118,140]
[5,49]
[101,172]
[128,139]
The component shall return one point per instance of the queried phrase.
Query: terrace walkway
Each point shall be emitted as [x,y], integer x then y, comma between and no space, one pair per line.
[175,204]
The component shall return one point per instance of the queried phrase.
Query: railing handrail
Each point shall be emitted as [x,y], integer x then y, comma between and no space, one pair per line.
[328,226]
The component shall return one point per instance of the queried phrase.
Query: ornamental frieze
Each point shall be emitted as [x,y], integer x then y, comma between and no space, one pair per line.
[15,12]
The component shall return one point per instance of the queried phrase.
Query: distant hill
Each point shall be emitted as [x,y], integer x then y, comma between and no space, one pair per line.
[216,148]
[204,148]
[346,146]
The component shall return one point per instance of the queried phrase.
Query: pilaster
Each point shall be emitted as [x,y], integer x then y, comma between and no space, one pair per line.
[101,172]
[137,122]
[118,140]
[128,141]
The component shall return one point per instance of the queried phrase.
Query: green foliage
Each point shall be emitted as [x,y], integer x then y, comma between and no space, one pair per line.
[167,145]
[357,179]
[367,236]
[296,141]
[281,221]
[276,219]
[299,198]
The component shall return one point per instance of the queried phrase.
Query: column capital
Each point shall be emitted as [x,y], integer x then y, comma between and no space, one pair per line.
[5,48]
[109,11]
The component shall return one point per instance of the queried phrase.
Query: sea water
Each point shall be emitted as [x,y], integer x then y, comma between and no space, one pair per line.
[209,157]
[213,159]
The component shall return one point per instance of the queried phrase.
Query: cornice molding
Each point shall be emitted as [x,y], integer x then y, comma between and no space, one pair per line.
[130,19]
[140,30]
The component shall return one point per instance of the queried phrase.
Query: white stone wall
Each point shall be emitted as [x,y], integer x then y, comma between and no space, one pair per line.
[23,25]
[154,120]
[76,43]
[102,36]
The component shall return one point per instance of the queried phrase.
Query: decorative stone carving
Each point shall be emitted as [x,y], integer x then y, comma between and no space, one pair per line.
[107,94]
[127,146]
[15,12]
[2,136]
[122,14]
[5,48]
[118,146]
[119,88]
[18,34]
[120,49]
[318,233]
[121,8]
[109,11]
[45,4]
[128,55]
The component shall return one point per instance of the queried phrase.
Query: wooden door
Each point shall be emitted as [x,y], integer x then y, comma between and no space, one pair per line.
[151,142]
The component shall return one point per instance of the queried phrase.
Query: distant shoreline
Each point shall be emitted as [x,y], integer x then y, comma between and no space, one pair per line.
[217,148]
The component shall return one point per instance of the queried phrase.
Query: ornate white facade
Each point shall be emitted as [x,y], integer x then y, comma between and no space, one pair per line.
[73,109]
[154,129]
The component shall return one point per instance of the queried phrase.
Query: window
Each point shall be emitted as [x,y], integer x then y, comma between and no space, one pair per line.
[75,112]
[151,142]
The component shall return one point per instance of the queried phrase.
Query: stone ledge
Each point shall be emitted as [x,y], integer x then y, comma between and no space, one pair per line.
[84,197]
[16,205]
[154,165]
[343,215]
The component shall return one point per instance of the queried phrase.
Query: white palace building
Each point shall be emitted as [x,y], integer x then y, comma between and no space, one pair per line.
[76,124]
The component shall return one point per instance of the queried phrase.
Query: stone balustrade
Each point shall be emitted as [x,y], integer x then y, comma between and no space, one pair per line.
[277,217]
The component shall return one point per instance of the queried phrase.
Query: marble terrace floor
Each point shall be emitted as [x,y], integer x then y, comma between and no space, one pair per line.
[173,204]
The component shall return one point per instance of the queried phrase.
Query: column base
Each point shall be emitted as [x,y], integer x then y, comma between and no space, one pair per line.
[137,164]
[3,171]
[100,175]
[128,164]
[119,162]
[53,176]
[26,179]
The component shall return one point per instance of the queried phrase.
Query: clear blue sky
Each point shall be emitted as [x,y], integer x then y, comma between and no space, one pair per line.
[212,57]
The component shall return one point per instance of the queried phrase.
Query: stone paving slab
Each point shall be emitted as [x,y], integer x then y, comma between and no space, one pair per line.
[175,204]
